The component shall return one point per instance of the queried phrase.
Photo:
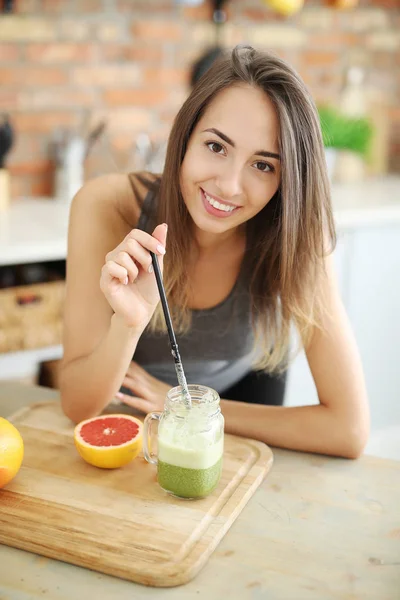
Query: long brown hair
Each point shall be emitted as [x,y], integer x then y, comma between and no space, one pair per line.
[288,239]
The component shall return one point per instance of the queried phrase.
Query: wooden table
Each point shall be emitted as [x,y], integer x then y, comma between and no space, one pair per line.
[318,528]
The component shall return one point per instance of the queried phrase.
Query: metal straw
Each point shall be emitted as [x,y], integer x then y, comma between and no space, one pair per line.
[172,339]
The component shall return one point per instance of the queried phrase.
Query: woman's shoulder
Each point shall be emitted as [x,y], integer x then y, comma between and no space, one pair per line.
[116,195]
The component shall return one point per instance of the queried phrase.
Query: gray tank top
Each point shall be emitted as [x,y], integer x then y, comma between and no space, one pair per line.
[217,350]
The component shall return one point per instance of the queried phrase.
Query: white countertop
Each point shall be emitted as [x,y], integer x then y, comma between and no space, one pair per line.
[372,202]
[35,229]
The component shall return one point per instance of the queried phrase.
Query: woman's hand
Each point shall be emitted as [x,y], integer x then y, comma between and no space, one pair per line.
[149,392]
[127,278]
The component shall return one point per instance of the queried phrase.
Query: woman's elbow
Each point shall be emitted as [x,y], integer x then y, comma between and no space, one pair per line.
[69,410]
[354,440]
[75,411]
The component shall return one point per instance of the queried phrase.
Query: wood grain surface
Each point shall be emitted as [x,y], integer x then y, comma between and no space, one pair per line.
[118,522]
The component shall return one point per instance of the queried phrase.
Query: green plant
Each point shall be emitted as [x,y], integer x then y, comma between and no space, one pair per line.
[343,132]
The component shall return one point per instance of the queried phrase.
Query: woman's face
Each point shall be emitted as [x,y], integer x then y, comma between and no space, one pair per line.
[231,168]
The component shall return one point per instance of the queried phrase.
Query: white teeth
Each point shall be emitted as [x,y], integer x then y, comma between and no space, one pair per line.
[217,204]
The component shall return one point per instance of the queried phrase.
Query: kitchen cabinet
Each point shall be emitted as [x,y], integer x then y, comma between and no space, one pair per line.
[367,260]
[32,230]
[373,307]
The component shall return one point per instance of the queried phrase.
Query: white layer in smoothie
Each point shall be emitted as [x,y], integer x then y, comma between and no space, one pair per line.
[178,454]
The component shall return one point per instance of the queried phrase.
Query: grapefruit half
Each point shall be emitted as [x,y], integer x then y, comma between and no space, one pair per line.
[11,451]
[109,441]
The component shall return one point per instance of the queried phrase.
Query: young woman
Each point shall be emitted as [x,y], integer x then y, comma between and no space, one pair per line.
[246,256]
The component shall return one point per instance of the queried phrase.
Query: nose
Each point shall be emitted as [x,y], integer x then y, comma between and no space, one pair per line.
[229,182]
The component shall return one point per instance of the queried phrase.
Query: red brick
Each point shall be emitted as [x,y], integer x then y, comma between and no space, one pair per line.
[114,52]
[87,6]
[107,75]
[162,31]
[57,98]
[32,76]
[320,58]
[382,61]
[202,12]
[72,29]
[8,99]
[386,4]
[137,97]
[146,53]
[54,6]
[9,52]
[26,6]
[256,14]
[59,53]
[44,122]
[153,6]
[338,39]
[32,167]
[128,52]
[81,6]
[128,119]
[166,76]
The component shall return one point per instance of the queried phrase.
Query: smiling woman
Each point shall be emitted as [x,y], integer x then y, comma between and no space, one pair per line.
[224,169]
[246,199]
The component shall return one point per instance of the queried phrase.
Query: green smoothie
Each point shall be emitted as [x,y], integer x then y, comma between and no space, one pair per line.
[189,465]
[189,483]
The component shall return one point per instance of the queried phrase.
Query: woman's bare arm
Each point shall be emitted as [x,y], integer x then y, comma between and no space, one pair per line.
[339,425]
[111,292]
[97,347]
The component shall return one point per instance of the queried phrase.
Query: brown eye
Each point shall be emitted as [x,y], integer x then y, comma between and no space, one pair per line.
[263,166]
[215,147]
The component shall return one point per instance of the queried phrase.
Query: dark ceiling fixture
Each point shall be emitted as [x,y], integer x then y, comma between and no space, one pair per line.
[209,56]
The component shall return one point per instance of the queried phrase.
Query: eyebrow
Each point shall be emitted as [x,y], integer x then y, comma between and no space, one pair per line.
[228,140]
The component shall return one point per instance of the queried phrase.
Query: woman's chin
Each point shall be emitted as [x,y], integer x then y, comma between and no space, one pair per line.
[207,225]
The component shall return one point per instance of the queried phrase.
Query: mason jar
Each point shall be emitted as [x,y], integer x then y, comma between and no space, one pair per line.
[190,442]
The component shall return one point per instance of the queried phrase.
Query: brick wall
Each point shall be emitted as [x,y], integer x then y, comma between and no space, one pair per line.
[64,61]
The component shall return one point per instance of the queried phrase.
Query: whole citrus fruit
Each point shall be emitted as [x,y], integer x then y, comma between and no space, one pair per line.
[11,451]
[285,7]
[109,441]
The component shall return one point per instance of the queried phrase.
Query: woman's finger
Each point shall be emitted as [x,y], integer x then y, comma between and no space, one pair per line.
[146,240]
[125,260]
[135,385]
[160,233]
[111,270]
[138,253]
[134,401]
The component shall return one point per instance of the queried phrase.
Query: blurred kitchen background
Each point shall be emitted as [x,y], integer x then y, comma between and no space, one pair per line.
[92,86]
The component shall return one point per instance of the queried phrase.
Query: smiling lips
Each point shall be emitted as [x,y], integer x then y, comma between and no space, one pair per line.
[217,208]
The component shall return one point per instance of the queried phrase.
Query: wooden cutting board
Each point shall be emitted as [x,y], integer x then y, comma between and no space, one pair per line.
[118,522]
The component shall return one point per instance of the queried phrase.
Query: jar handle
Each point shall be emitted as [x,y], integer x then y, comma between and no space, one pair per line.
[147,432]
